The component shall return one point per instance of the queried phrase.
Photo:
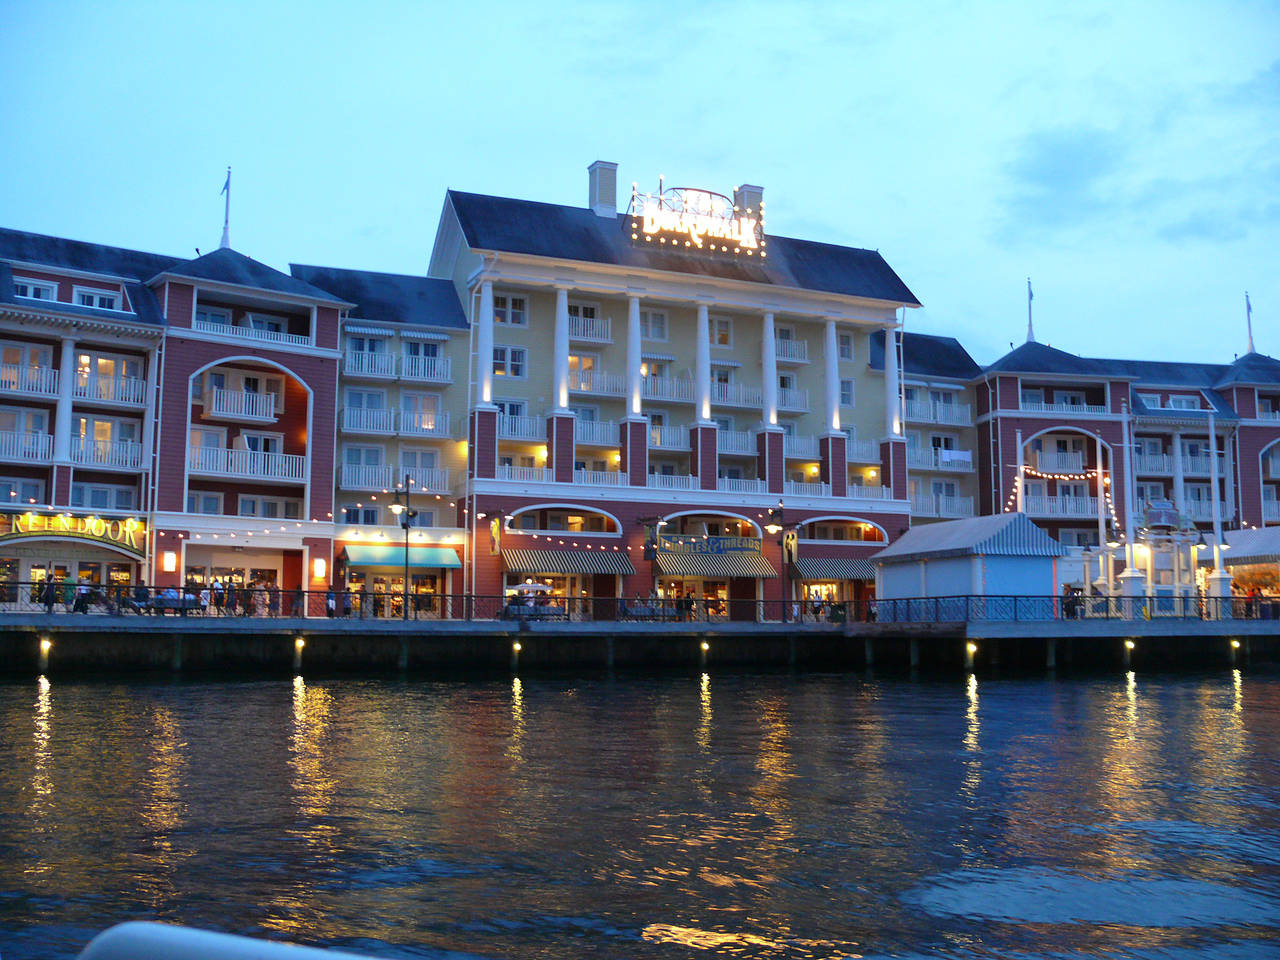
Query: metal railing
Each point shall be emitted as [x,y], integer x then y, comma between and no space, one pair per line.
[246,464]
[252,333]
[28,380]
[965,609]
[34,447]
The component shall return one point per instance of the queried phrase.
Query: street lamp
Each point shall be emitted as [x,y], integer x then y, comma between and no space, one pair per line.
[405,514]
[777,526]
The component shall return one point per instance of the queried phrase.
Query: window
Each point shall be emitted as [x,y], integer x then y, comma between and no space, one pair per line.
[587,414]
[21,421]
[1079,538]
[1068,398]
[367,344]
[92,366]
[1149,446]
[200,502]
[721,329]
[844,345]
[420,411]
[360,514]
[508,361]
[361,456]
[263,442]
[366,399]
[722,375]
[788,427]
[20,490]
[107,430]
[89,297]
[1032,395]
[583,310]
[418,458]
[1149,491]
[786,381]
[724,423]
[35,289]
[1184,403]
[213,315]
[208,438]
[102,496]
[270,508]
[944,397]
[653,325]
[781,332]
[510,408]
[421,348]
[259,321]
[512,311]
[424,518]
[581,367]
[654,368]
[846,393]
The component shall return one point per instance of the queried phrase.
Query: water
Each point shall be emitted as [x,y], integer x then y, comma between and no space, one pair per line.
[755,817]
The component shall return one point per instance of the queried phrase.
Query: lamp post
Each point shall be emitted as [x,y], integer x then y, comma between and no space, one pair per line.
[405,514]
[776,525]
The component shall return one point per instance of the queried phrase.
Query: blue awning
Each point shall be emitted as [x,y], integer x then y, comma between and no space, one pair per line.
[390,555]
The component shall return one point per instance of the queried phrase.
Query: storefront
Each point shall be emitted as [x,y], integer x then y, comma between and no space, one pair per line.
[829,583]
[373,576]
[106,553]
[720,575]
[583,584]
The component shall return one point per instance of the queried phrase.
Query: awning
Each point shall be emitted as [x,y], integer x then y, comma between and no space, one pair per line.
[715,566]
[567,561]
[368,330]
[835,568]
[390,555]
[422,335]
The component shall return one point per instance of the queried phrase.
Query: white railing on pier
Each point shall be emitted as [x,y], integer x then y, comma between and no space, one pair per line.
[736,395]
[934,411]
[433,369]
[110,389]
[741,485]
[252,333]
[513,427]
[359,476]
[1039,406]
[597,433]
[803,488]
[246,464]
[669,438]
[801,448]
[28,381]
[736,441]
[672,481]
[424,423]
[862,451]
[598,382]
[1043,506]
[363,363]
[122,454]
[794,351]
[600,478]
[664,388]
[1054,462]
[26,447]
[427,479]
[591,329]
[365,420]
[1153,463]
[240,405]
[526,474]
[794,400]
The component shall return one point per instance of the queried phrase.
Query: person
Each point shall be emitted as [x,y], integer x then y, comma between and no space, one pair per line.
[219,598]
[331,604]
[346,602]
[141,599]
[82,597]
[49,595]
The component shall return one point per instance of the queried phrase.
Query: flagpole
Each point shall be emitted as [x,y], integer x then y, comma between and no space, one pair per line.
[226,215]
[1031,332]
[1248,316]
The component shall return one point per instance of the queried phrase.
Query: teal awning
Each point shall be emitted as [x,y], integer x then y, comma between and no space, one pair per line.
[390,555]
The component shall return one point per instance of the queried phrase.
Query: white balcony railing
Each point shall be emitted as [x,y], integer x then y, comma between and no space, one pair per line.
[939,505]
[240,405]
[1153,463]
[662,388]
[359,476]
[598,382]
[869,493]
[591,329]
[1053,462]
[424,423]
[26,447]
[120,454]
[110,389]
[526,474]
[862,451]
[1268,414]
[246,464]
[1271,511]
[1199,465]
[795,400]
[512,427]
[362,363]
[426,479]
[1038,406]
[929,458]
[736,441]
[672,481]
[1042,506]
[736,395]
[800,448]
[739,485]
[803,488]
[793,351]
[363,420]
[597,433]
[28,381]
[669,438]
[252,333]
[433,369]
[600,478]
[933,411]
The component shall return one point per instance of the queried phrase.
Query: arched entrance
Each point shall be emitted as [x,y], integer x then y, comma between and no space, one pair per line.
[710,565]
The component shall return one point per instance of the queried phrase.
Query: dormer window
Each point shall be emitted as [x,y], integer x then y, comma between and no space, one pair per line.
[102,299]
[1184,403]
[214,315]
[34,289]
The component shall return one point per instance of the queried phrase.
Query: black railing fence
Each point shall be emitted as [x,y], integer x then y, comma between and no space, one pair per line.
[70,598]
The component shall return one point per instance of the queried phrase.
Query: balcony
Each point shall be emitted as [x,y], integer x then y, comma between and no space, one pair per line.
[361,363]
[736,395]
[240,405]
[525,474]
[1068,409]
[426,479]
[591,329]
[427,369]
[662,388]
[111,454]
[672,481]
[1078,507]
[796,401]
[26,447]
[669,438]
[948,461]
[741,442]
[791,351]
[1271,511]
[363,420]
[1200,465]
[511,427]
[363,477]
[869,493]
[1152,463]
[803,488]
[938,505]
[596,433]
[1268,414]
[252,333]
[597,382]
[933,411]
[862,451]
[741,485]
[246,464]
[800,448]
[28,381]
[600,478]
[424,423]
[110,389]
[1060,462]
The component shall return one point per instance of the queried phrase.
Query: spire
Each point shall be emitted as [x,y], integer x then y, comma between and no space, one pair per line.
[1248,318]
[1031,331]
[226,216]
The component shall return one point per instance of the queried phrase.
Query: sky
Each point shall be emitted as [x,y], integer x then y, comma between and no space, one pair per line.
[1124,156]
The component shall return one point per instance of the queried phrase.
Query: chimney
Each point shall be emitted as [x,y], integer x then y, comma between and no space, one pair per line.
[747,197]
[602,195]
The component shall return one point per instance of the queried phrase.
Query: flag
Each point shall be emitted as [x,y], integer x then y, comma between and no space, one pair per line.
[1030,295]
[226,186]
[1248,307]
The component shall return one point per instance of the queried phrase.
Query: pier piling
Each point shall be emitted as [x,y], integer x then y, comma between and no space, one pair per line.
[1051,654]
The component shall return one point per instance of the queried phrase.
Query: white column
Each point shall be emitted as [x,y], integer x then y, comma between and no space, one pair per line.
[702,367]
[1020,481]
[1214,498]
[560,361]
[1102,497]
[1179,493]
[769,372]
[62,416]
[832,371]
[484,343]
[1228,477]
[892,393]
[149,416]
[634,358]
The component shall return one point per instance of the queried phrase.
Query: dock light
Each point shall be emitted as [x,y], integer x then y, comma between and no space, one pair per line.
[46,645]
[169,561]
[1235,644]
[971,647]
[705,646]
[319,567]
[1128,644]
[515,647]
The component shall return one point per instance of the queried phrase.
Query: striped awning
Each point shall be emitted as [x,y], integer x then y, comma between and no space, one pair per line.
[835,568]
[567,561]
[715,566]
[392,555]
[368,330]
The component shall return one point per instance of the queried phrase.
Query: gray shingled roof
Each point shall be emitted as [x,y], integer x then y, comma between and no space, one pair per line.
[225,265]
[1032,357]
[576,233]
[77,255]
[145,306]
[389,297]
[1222,410]
[1003,534]
[1254,368]
[924,355]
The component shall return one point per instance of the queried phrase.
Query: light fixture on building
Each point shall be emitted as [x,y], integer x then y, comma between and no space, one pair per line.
[319,567]
[169,561]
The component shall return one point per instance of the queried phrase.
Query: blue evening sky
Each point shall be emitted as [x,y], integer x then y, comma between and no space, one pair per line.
[1126,156]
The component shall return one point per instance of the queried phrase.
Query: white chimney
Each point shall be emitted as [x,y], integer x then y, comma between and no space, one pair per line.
[747,197]
[602,195]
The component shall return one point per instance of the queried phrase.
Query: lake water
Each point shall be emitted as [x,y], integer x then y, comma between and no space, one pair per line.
[818,816]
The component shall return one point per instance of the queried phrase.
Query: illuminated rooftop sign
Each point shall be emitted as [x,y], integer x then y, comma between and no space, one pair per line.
[128,534]
[686,217]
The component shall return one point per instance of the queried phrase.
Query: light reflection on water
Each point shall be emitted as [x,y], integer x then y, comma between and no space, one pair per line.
[768,816]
